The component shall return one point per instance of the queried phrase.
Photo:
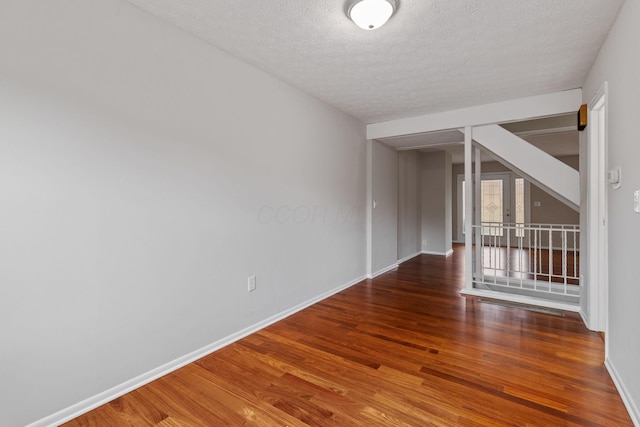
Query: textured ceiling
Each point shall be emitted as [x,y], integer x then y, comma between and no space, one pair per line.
[433,55]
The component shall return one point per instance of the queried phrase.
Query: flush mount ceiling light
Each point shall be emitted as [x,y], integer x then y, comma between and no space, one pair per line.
[371,14]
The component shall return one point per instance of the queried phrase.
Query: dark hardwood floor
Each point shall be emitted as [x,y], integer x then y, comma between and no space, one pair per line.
[402,349]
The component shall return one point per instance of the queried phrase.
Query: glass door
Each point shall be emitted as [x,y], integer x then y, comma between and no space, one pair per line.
[495,203]
[503,201]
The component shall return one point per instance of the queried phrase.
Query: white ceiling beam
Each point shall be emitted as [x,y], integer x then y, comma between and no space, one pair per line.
[551,104]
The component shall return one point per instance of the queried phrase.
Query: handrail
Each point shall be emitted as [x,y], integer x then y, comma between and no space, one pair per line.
[530,225]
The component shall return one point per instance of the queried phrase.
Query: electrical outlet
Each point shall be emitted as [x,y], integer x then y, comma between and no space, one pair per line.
[251,283]
[424,243]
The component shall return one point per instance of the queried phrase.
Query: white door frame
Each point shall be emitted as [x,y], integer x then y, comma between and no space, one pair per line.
[596,220]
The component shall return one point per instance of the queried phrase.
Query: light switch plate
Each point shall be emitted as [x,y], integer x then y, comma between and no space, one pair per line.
[636,201]
[614,177]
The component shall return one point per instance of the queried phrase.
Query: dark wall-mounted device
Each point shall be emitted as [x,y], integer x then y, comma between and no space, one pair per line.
[582,117]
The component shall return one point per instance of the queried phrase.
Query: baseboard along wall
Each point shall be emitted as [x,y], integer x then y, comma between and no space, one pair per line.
[631,406]
[106,396]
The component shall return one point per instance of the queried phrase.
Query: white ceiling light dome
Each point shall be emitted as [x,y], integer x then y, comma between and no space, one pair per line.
[371,14]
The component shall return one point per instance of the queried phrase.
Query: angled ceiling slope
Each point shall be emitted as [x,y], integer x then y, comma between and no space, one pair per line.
[432,56]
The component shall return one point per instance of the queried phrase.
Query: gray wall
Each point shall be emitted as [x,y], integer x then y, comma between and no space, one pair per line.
[550,211]
[619,64]
[435,201]
[385,214]
[144,175]
[409,221]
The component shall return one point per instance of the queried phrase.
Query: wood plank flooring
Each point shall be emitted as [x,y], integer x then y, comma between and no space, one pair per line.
[404,349]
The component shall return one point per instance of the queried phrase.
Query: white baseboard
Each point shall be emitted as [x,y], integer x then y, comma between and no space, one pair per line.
[384,270]
[407,258]
[521,299]
[583,316]
[632,409]
[447,253]
[106,396]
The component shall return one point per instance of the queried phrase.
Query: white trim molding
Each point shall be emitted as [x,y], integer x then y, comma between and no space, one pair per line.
[597,200]
[99,399]
[382,271]
[407,258]
[632,409]
[446,253]
[521,299]
[584,318]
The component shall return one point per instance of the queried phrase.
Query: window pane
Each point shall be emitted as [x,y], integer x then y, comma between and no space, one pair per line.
[519,207]
[491,209]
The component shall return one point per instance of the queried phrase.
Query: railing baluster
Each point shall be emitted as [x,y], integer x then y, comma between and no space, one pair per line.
[564,258]
[482,256]
[575,270]
[508,254]
[535,259]
[498,257]
[550,256]
[540,271]
[498,266]
[520,257]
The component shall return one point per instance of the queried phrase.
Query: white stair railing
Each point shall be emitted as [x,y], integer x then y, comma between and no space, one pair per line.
[539,258]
